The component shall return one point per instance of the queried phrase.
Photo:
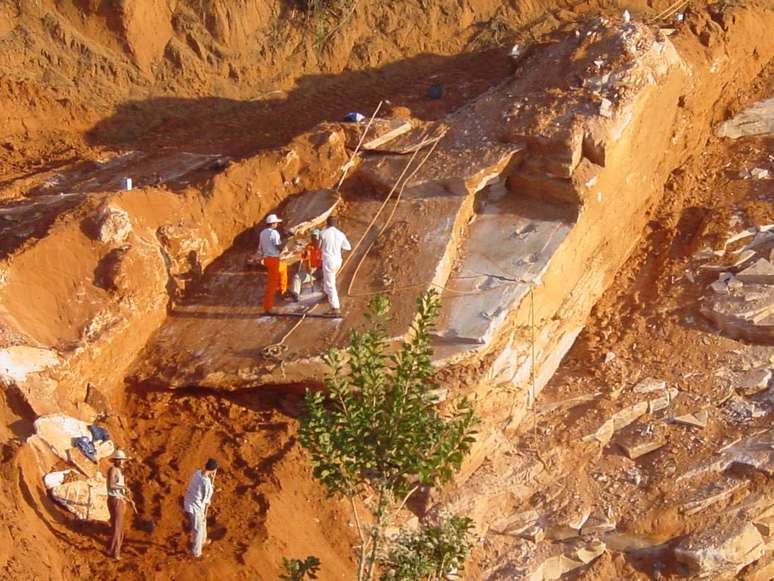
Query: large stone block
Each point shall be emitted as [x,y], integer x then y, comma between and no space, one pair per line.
[725,548]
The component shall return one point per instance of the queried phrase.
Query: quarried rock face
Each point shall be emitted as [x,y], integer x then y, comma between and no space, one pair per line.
[504,214]
[89,293]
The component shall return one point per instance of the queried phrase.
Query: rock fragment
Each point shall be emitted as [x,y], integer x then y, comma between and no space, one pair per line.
[761,272]
[756,120]
[635,446]
[650,385]
[663,401]
[753,381]
[697,419]
[723,549]
[713,493]
[557,566]
[113,225]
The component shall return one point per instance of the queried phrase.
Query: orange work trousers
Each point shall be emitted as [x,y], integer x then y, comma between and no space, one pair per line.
[277,279]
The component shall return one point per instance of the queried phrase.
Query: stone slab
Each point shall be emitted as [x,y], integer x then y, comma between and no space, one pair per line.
[385,132]
[697,419]
[58,431]
[753,381]
[308,210]
[747,313]
[508,246]
[761,272]
[86,499]
[722,549]
[19,361]
[636,446]
[757,120]
[663,401]
[649,385]
[415,139]
[713,493]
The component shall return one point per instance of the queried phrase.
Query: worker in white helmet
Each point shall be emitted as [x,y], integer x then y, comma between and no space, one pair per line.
[270,248]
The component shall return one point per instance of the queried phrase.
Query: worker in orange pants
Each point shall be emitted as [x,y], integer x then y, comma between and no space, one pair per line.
[270,247]
[283,281]
[277,271]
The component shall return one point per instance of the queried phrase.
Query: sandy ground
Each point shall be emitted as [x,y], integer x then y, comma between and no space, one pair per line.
[267,505]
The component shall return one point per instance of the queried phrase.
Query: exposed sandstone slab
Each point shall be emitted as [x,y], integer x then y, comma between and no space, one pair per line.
[755,451]
[753,381]
[625,417]
[86,499]
[417,138]
[713,493]
[508,246]
[518,134]
[697,419]
[219,345]
[761,272]
[723,549]
[742,304]
[308,210]
[573,558]
[757,120]
[635,446]
[380,132]
[746,313]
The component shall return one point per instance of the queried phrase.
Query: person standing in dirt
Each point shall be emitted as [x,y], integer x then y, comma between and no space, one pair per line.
[117,493]
[332,242]
[270,248]
[196,503]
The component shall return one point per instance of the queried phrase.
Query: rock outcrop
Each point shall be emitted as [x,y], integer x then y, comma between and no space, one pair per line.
[741,301]
[721,551]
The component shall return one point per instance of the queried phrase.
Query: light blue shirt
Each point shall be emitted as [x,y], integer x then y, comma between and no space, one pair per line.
[270,243]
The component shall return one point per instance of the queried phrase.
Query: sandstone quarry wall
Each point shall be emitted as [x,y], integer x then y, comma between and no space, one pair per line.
[669,123]
[81,302]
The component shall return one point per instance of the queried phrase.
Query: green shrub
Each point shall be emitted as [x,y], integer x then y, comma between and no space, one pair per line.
[375,433]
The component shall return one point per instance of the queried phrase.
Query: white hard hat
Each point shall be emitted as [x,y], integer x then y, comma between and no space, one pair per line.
[119,455]
[272,219]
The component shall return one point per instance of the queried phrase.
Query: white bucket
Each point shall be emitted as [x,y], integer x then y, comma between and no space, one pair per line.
[127,184]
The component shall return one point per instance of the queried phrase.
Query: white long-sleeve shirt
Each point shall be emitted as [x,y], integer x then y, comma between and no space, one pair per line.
[199,493]
[332,242]
[270,243]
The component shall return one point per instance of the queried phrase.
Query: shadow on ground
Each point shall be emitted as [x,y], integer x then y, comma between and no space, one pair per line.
[241,128]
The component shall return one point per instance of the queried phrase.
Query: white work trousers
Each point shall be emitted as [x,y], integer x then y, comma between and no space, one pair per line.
[330,268]
[299,280]
[198,522]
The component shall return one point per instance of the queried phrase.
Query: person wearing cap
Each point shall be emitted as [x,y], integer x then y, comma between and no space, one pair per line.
[197,501]
[117,494]
[270,248]
[311,261]
[332,242]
